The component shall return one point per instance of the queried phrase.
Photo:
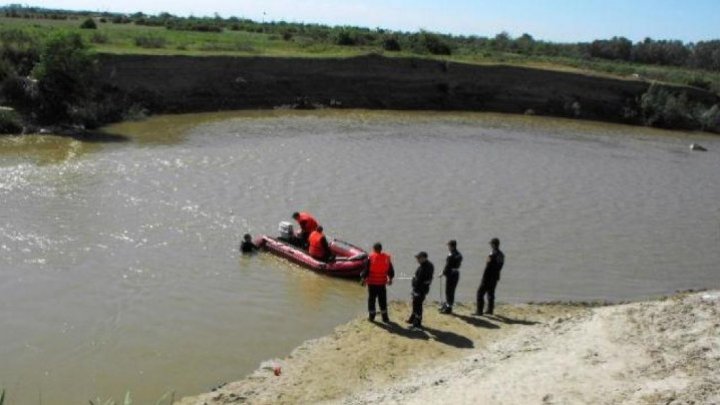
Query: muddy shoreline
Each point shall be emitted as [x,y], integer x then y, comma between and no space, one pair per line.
[182,84]
[644,352]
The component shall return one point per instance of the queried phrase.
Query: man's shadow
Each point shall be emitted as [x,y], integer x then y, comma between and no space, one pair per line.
[448,338]
[397,329]
[511,321]
[476,321]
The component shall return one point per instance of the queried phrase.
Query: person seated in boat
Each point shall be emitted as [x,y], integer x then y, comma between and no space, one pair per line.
[247,246]
[307,223]
[318,245]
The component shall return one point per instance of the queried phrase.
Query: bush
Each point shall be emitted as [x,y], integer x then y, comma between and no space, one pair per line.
[150,42]
[710,119]
[120,19]
[434,44]
[661,108]
[391,44]
[65,75]
[9,122]
[344,38]
[88,24]
[20,49]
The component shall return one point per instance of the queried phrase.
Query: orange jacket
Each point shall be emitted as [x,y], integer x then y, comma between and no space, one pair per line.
[307,222]
[318,245]
[379,270]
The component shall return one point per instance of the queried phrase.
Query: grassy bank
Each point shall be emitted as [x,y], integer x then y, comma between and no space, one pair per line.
[287,40]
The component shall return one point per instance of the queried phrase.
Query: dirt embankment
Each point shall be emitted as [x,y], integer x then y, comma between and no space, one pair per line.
[665,351]
[193,84]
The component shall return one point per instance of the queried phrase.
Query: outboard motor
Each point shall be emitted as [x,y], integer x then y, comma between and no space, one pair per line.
[287,234]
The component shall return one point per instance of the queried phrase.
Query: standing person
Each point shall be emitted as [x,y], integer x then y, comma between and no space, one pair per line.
[420,288]
[377,275]
[452,276]
[490,278]
[318,245]
[307,223]
[247,246]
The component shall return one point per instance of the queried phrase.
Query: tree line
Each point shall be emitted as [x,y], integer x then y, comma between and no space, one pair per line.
[700,55]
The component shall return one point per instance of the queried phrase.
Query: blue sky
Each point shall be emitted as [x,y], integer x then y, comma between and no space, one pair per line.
[555,20]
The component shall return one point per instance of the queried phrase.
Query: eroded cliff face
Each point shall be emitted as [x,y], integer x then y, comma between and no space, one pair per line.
[177,84]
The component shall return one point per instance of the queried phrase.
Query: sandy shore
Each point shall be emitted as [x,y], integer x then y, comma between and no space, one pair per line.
[663,351]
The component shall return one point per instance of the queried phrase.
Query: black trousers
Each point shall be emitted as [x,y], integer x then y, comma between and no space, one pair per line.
[379,293]
[451,282]
[417,308]
[487,287]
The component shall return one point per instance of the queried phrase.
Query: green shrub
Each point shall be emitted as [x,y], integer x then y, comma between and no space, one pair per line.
[434,44]
[710,119]
[391,44]
[345,38]
[65,75]
[20,49]
[88,24]
[9,124]
[662,108]
[147,41]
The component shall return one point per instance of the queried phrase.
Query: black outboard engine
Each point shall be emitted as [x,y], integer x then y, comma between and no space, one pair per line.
[287,233]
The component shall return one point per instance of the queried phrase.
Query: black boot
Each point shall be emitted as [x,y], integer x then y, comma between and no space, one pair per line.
[385,318]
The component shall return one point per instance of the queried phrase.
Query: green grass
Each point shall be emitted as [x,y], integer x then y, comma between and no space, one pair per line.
[123,39]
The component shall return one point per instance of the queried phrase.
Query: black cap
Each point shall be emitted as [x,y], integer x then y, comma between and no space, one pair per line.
[452,243]
[495,241]
[422,254]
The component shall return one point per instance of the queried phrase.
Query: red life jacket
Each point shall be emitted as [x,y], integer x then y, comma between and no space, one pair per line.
[307,222]
[316,248]
[379,267]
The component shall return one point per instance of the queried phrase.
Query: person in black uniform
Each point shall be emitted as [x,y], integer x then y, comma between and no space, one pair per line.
[451,272]
[247,246]
[420,288]
[490,278]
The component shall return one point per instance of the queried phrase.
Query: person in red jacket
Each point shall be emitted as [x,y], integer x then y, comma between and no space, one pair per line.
[307,223]
[377,275]
[318,245]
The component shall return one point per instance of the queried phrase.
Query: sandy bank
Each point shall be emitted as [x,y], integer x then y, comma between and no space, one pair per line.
[665,351]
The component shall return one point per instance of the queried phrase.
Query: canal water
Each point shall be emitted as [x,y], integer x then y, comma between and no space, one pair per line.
[119,268]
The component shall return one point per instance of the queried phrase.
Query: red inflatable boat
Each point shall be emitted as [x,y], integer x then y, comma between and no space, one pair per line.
[349,260]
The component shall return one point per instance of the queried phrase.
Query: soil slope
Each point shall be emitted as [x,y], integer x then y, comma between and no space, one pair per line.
[194,84]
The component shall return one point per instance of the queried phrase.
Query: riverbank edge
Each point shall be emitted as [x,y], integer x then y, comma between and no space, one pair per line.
[156,84]
[362,362]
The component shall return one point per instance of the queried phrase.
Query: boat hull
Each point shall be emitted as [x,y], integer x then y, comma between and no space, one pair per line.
[349,263]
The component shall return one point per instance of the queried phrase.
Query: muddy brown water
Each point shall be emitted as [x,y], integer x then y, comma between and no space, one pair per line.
[119,268]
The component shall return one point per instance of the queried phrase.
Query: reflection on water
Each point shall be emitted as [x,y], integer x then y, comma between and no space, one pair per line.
[119,267]
[41,149]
